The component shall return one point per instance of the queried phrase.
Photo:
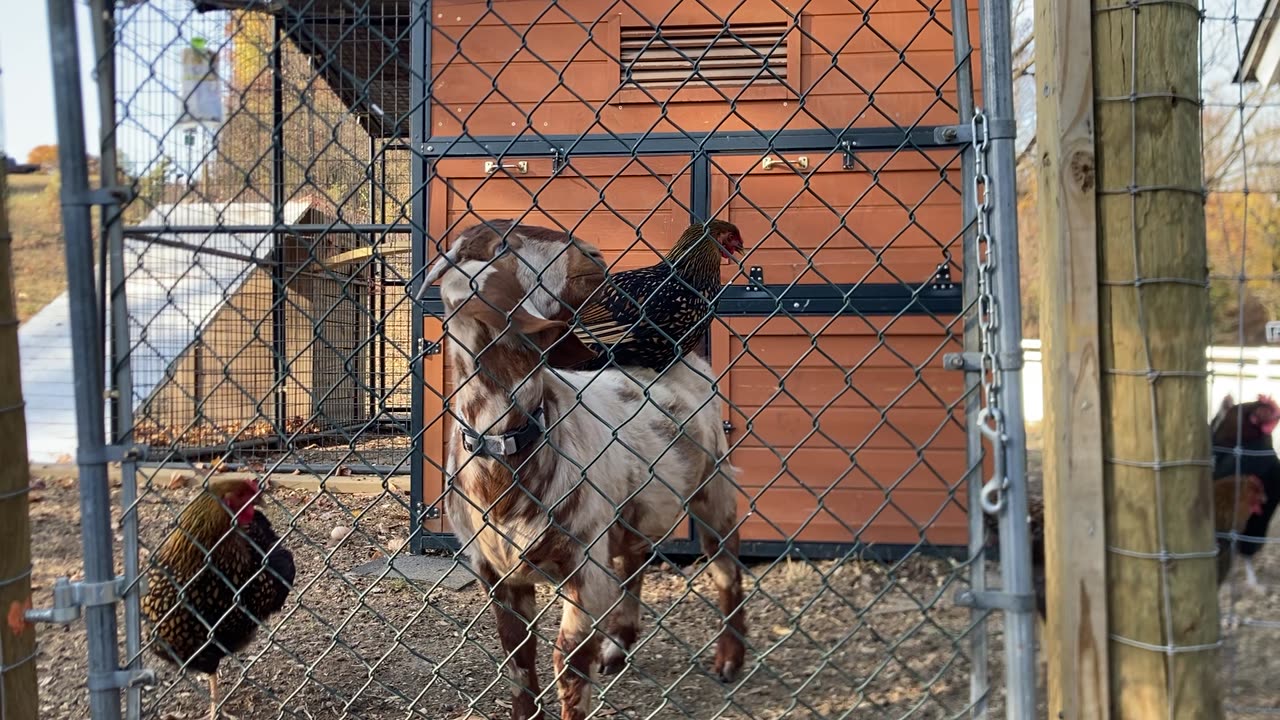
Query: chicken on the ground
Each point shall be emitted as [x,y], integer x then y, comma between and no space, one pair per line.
[1242,445]
[222,545]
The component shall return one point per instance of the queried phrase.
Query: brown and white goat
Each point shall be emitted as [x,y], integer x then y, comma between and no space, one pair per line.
[568,477]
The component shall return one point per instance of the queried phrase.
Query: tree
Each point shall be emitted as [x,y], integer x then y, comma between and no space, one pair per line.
[46,156]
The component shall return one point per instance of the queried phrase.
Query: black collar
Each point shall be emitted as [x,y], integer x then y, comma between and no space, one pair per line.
[505,444]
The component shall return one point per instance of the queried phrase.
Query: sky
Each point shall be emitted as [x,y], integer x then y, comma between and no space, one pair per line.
[26,87]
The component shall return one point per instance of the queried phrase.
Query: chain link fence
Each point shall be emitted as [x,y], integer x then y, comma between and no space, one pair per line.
[311,297]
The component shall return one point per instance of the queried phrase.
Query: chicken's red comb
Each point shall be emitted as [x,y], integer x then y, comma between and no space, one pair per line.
[1267,400]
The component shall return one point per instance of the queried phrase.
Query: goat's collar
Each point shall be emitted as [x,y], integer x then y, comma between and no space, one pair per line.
[504,444]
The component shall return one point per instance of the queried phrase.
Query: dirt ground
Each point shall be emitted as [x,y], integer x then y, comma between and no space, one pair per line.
[857,639]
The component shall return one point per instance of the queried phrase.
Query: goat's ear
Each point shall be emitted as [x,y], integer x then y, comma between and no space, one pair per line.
[561,348]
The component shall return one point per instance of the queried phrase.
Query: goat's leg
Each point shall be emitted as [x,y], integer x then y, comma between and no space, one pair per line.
[588,594]
[514,610]
[726,573]
[714,506]
[629,554]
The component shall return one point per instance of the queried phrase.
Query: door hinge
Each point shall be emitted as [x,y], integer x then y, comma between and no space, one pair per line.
[428,347]
[755,279]
[942,277]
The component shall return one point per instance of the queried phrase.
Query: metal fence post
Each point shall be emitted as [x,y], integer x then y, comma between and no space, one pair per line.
[104,34]
[1015,537]
[979,641]
[87,348]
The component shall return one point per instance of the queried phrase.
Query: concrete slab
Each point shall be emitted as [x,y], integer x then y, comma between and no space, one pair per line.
[423,570]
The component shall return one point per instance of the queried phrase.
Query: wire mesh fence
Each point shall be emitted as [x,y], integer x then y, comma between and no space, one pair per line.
[1239,130]
[370,248]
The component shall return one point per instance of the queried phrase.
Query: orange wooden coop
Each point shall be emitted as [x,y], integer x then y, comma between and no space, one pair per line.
[828,132]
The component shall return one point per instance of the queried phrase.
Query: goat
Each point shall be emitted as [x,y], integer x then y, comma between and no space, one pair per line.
[568,477]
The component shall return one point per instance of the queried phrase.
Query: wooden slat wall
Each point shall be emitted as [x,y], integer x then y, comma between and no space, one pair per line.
[544,82]
[841,433]
[899,212]
[893,452]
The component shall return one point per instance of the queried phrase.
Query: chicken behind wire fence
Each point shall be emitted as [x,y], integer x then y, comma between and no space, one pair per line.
[215,580]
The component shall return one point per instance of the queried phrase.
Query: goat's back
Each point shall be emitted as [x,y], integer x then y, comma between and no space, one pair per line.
[669,440]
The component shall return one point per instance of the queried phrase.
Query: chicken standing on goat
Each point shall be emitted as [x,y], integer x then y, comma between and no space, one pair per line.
[1242,445]
[650,316]
[196,574]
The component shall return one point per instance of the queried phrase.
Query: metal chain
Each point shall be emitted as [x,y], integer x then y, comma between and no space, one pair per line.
[990,417]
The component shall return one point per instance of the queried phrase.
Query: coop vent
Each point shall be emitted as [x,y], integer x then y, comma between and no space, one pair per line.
[671,57]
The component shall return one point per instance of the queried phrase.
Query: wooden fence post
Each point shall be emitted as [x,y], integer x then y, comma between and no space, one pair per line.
[18,700]
[1075,638]
[1154,333]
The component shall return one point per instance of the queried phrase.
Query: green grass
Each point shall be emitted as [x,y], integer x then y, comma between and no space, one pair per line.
[38,260]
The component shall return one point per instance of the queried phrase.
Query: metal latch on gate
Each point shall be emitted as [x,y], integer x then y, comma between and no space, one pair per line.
[109,454]
[70,597]
[559,160]
[995,600]
[121,679]
[114,195]
[847,160]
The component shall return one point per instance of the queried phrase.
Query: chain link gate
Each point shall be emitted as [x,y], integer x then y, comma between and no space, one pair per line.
[296,168]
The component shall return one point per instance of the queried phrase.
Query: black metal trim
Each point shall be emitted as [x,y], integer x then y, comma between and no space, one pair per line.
[738,141]
[420,171]
[826,300]
[861,299]
[763,549]
[279,343]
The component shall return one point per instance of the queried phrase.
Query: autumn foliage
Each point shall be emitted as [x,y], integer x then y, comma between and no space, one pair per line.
[46,156]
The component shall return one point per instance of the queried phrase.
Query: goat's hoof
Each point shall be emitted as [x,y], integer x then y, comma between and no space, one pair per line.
[726,670]
[613,665]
